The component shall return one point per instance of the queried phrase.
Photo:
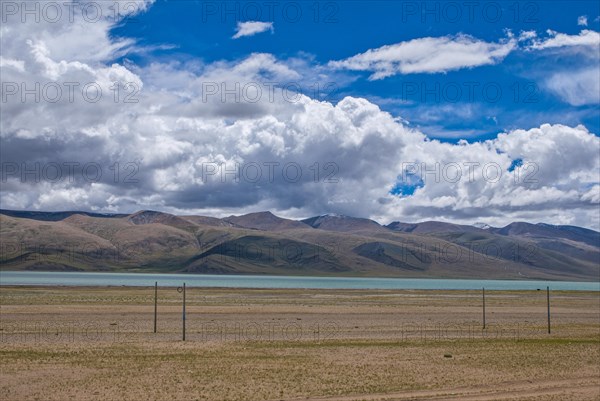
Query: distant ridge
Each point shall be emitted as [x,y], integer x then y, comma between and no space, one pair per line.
[334,222]
[267,220]
[264,221]
[55,216]
[540,230]
[431,227]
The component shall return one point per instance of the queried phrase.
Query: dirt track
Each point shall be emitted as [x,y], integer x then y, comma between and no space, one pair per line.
[573,389]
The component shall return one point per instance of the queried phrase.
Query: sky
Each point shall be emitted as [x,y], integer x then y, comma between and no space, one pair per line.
[466,112]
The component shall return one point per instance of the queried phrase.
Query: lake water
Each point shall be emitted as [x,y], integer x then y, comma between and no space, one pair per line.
[239,281]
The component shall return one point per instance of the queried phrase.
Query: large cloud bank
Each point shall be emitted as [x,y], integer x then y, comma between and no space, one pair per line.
[233,137]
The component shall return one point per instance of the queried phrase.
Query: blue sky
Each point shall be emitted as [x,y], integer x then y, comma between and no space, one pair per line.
[464,112]
[463,103]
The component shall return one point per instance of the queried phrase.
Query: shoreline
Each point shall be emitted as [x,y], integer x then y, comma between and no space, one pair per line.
[70,279]
[382,292]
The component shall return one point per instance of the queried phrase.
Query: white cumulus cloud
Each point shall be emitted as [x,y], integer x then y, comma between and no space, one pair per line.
[586,38]
[250,28]
[427,55]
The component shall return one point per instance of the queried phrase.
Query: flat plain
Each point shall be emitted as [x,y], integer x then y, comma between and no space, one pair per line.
[97,343]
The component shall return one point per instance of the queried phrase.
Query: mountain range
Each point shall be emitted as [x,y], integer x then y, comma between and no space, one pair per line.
[262,243]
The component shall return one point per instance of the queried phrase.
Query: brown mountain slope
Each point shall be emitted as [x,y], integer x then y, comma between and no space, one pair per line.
[261,243]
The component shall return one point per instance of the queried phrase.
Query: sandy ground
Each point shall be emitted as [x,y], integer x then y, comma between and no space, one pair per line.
[98,344]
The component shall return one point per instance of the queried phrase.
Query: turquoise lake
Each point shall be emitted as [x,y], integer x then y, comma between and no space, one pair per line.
[255,281]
